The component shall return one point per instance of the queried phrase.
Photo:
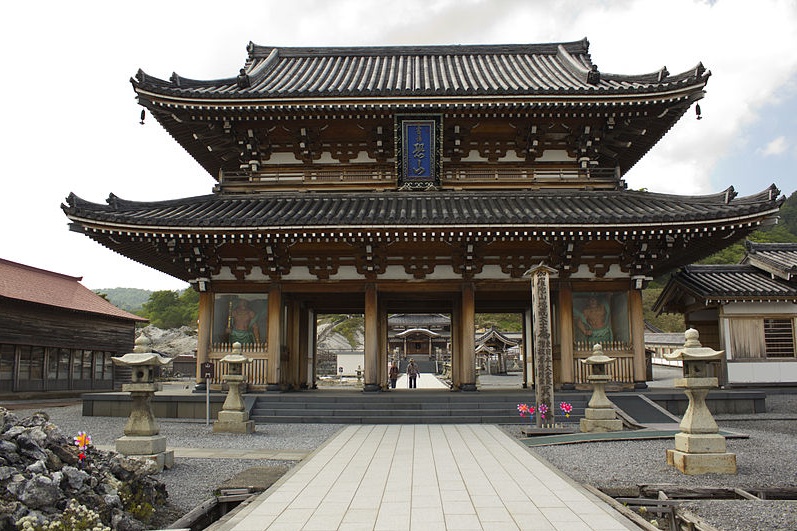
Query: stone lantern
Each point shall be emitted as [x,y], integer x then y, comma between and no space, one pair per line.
[141,433]
[699,448]
[233,417]
[599,416]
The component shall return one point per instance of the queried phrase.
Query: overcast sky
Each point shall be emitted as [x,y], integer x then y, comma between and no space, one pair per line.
[70,118]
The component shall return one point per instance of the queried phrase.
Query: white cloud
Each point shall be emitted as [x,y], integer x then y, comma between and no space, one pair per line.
[72,121]
[776,146]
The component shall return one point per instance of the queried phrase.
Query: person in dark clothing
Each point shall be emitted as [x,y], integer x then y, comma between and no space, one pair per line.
[412,374]
[393,375]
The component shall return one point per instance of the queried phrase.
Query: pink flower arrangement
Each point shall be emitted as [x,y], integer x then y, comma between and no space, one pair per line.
[525,409]
[543,409]
[566,408]
[82,441]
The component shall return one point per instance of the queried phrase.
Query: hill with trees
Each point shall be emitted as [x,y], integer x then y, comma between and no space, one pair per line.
[128,299]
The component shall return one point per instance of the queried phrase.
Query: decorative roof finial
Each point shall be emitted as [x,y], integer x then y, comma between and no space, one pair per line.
[594,76]
[243,79]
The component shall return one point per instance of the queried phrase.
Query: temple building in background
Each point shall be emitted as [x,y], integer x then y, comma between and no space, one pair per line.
[420,179]
[56,335]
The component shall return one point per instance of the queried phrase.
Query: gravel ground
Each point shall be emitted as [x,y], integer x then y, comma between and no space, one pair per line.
[191,480]
[767,459]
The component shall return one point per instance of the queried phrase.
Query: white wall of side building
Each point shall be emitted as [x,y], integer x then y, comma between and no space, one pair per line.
[759,371]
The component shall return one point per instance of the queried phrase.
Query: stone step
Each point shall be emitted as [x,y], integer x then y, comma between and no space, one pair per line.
[400,408]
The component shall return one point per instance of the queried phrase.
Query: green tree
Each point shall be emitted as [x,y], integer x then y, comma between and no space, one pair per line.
[668,322]
[172,309]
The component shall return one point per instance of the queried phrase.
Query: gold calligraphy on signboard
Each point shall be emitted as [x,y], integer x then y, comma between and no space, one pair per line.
[418,151]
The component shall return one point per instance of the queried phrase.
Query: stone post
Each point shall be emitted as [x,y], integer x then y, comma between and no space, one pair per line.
[233,417]
[543,341]
[600,415]
[141,433]
[699,448]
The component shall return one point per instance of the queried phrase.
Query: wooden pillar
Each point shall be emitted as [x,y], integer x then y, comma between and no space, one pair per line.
[638,338]
[274,337]
[313,363]
[467,338]
[383,347]
[567,377]
[203,334]
[305,344]
[371,339]
[456,344]
[291,379]
[528,351]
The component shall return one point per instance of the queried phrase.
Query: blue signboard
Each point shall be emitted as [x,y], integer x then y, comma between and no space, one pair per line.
[418,141]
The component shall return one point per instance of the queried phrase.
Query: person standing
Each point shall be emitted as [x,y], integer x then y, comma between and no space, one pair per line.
[412,374]
[393,375]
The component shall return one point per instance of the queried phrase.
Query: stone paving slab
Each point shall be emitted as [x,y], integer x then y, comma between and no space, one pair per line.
[424,477]
[229,453]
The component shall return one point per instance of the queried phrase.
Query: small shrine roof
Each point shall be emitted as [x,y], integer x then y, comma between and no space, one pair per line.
[711,284]
[380,71]
[541,209]
[495,336]
[778,259]
[33,285]
[415,320]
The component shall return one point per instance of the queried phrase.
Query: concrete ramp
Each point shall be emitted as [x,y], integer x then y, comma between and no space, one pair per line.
[642,409]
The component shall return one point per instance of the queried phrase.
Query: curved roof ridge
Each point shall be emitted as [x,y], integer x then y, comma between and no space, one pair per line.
[754,247]
[579,47]
[662,75]
[576,68]
[177,81]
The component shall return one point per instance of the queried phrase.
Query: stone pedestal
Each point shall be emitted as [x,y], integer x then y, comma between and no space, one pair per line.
[233,417]
[141,439]
[599,416]
[151,447]
[699,448]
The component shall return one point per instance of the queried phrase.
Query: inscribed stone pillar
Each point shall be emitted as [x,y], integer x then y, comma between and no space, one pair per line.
[203,334]
[274,337]
[468,339]
[371,339]
[543,340]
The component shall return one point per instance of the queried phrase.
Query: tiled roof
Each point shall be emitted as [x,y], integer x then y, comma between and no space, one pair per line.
[553,68]
[415,320]
[495,335]
[779,259]
[733,282]
[582,209]
[29,284]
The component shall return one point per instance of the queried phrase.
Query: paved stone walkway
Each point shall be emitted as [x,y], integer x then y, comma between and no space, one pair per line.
[424,477]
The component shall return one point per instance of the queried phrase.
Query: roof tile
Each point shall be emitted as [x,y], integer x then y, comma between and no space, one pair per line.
[29,284]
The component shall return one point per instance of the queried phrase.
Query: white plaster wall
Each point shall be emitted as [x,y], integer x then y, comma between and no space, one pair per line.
[762,372]
[350,362]
[759,308]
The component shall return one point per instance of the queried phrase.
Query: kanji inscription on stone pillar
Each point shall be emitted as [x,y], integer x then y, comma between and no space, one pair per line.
[543,349]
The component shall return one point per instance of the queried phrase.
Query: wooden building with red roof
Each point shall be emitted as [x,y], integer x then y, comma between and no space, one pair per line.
[56,334]
[420,179]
